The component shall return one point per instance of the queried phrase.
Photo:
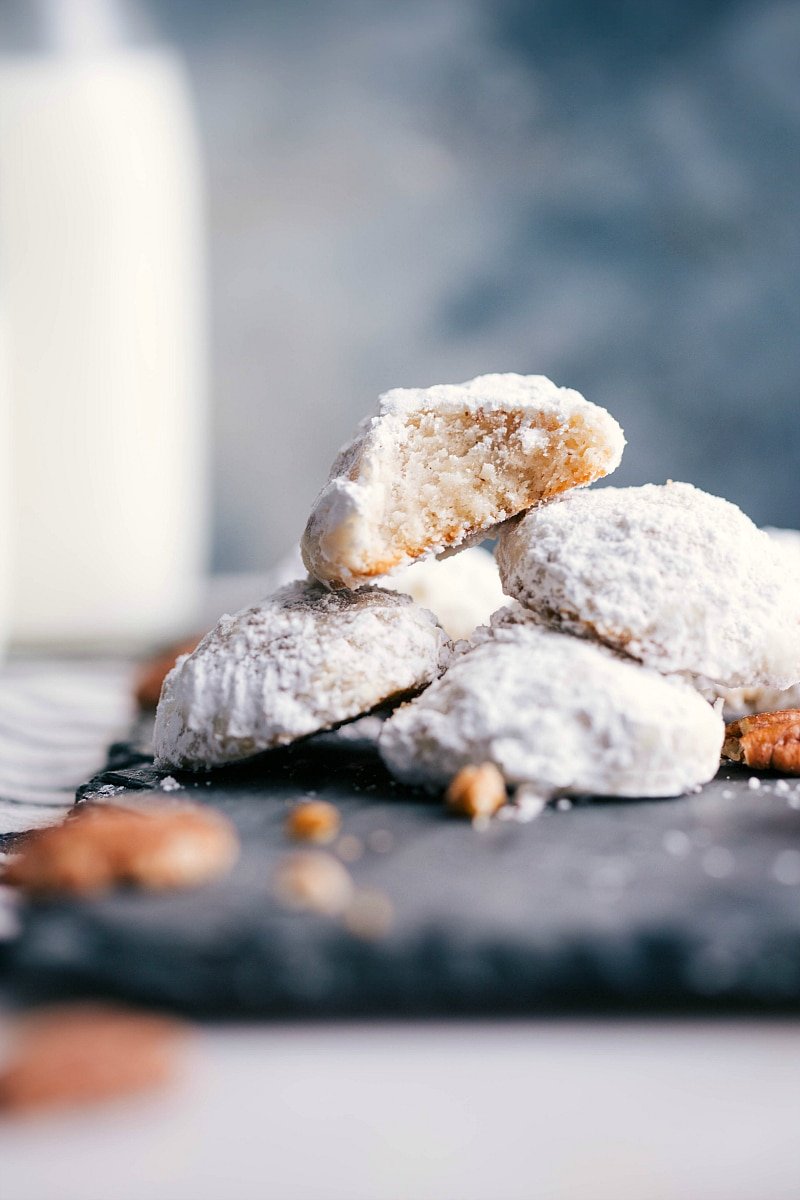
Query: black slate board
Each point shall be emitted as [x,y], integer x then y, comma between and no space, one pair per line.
[609,906]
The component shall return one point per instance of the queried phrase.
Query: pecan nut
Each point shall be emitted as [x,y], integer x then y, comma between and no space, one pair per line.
[83,1053]
[156,847]
[765,741]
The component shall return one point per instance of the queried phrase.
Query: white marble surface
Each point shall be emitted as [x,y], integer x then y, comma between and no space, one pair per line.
[466,1111]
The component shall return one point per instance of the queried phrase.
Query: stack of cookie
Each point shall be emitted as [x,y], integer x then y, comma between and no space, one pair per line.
[630,602]
[625,603]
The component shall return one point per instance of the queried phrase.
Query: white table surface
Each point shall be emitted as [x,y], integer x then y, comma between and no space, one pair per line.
[467,1111]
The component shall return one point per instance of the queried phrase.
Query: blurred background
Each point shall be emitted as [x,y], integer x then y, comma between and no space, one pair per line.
[380,195]
[416,193]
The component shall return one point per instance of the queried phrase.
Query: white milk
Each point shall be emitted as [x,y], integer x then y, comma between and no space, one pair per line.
[101,283]
[6,548]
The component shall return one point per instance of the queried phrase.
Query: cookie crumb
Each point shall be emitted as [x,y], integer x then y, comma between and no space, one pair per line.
[677,843]
[350,848]
[477,791]
[718,862]
[369,914]
[786,868]
[313,881]
[314,821]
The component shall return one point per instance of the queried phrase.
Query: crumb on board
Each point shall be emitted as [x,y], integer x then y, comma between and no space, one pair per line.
[477,791]
[350,848]
[314,821]
[313,881]
[369,914]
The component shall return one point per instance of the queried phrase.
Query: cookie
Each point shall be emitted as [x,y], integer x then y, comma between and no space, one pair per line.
[439,466]
[303,660]
[759,699]
[462,590]
[562,714]
[678,579]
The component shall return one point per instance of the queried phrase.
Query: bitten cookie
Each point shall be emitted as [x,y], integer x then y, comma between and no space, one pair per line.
[556,712]
[303,660]
[439,466]
[681,580]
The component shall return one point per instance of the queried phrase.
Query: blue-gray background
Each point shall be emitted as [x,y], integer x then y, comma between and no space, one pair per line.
[417,192]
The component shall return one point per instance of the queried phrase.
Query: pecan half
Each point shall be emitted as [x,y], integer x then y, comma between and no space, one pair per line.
[151,674]
[154,847]
[82,1053]
[767,740]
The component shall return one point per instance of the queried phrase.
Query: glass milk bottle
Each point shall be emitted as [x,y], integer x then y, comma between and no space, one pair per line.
[101,271]
[6,548]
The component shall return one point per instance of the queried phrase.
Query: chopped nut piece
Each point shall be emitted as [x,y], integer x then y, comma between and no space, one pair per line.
[151,674]
[350,848]
[314,881]
[314,821]
[157,847]
[81,1053]
[477,791]
[369,915]
[767,740]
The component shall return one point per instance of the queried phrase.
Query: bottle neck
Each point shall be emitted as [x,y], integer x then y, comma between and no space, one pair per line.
[73,27]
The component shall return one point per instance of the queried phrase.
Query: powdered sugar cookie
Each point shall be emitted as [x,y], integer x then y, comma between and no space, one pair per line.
[739,701]
[679,579]
[557,712]
[462,590]
[441,465]
[303,660]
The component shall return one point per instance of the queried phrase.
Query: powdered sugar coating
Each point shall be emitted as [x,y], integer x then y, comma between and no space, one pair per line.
[303,660]
[559,713]
[439,466]
[740,701]
[679,579]
[462,590]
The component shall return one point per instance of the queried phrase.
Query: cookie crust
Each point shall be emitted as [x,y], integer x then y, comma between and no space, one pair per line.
[303,660]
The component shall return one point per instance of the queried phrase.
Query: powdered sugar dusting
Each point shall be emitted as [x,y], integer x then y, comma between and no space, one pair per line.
[437,467]
[462,591]
[677,578]
[504,392]
[556,712]
[303,660]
